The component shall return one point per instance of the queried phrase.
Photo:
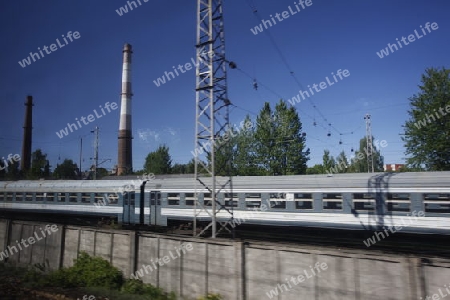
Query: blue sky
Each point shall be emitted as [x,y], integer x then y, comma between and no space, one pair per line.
[322,38]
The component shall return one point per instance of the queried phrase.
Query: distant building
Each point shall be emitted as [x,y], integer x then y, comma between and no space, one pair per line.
[393,167]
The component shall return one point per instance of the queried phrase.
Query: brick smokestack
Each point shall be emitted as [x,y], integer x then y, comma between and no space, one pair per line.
[125,165]
[25,162]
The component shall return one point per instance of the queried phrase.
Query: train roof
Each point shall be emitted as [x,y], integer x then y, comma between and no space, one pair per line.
[353,180]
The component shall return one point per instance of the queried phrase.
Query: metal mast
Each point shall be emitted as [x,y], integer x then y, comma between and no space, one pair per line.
[212,119]
[95,152]
[369,143]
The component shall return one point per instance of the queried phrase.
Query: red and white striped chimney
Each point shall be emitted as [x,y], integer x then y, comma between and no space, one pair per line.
[125,164]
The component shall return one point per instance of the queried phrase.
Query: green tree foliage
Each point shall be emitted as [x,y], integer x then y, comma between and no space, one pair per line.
[358,164]
[279,141]
[342,161]
[328,161]
[40,167]
[159,161]
[2,170]
[244,154]
[13,172]
[66,170]
[316,169]
[188,168]
[426,135]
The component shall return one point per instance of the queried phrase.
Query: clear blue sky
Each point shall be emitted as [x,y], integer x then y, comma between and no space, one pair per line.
[322,38]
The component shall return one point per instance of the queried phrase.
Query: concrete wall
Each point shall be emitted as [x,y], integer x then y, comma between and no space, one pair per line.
[236,270]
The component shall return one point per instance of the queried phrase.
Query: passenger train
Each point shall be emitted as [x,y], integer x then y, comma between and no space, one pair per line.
[417,202]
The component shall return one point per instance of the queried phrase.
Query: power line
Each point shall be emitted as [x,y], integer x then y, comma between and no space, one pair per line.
[285,62]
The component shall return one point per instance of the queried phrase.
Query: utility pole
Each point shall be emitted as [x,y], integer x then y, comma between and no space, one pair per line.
[369,143]
[95,152]
[81,154]
[212,119]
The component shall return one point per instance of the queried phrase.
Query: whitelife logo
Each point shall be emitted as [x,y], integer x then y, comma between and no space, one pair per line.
[411,38]
[31,240]
[281,17]
[124,9]
[161,261]
[11,158]
[71,36]
[323,85]
[297,280]
[90,118]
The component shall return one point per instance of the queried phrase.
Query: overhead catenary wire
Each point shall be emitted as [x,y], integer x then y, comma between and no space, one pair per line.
[286,63]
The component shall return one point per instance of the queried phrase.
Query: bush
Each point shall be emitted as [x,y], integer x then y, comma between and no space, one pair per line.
[136,286]
[87,271]
[211,297]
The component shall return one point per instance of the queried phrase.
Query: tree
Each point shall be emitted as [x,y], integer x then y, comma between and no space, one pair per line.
[316,169]
[66,170]
[328,161]
[341,160]
[359,163]
[159,161]
[178,169]
[279,141]
[244,153]
[13,172]
[426,132]
[3,169]
[40,167]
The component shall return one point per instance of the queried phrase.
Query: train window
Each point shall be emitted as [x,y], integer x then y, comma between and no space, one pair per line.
[189,198]
[231,199]
[364,201]
[437,202]
[29,197]
[400,196]
[332,201]
[9,196]
[50,197]
[40,196]
[173,198]
[112,198]
[19,196]
[73,197]
[85,197]
[61,197]
[101,198]
[303,201]
[154,195]
[277,200]
[207,199]
[253,200]
[2,196]
[398,202]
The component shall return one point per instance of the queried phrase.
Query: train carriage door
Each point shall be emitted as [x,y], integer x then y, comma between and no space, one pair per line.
[128,207]
[155,205]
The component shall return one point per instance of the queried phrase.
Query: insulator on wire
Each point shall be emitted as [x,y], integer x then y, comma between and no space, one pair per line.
[232,65]
[255,85]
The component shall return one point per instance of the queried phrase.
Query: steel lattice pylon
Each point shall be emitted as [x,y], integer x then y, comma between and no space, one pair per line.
[212,118]
[369,144]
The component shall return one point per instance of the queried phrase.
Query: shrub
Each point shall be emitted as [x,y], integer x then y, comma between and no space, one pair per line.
[211,297]
[136,286]
[87,271]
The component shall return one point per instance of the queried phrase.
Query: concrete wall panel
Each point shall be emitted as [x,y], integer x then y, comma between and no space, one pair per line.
[261,272]
[71,244]
[382,279]
[194,270]
[121,252]
[87,241]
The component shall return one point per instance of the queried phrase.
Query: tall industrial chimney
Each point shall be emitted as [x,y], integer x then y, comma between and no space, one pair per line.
[25,162]
[125,165]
